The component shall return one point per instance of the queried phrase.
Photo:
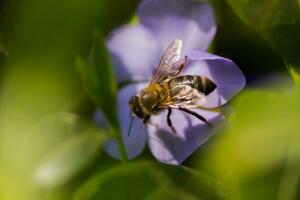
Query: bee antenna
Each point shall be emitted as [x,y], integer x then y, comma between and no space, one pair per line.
[130,125]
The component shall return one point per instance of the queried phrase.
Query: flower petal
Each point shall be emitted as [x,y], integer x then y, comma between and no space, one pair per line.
[191,21]
[223,72]
[174,148]
[135,142]
[134,52]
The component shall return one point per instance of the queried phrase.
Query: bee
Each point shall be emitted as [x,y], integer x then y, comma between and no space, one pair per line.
[167,90]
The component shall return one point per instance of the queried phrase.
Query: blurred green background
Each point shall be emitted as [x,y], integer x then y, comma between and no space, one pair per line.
[50,148]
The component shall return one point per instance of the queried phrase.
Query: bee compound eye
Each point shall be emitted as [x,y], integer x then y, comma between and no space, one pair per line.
[132,100]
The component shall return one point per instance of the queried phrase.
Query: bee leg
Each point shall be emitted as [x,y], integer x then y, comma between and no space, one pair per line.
[196,115]
[170,121]
[146,119]
[153,124]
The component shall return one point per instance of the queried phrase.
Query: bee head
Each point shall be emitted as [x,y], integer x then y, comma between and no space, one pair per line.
[136,108]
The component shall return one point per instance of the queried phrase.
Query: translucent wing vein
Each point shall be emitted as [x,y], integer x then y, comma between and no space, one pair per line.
[169,65]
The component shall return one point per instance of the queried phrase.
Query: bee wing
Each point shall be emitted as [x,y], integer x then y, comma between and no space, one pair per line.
[183,96]
[169,65]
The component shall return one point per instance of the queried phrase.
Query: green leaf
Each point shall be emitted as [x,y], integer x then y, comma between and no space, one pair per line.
[295,75]
[107,87]
[277,21]
[261,140]
[197,183]
[170,194]
[100,84]
[264,131]
[99,80]
[135,180]
[69,158]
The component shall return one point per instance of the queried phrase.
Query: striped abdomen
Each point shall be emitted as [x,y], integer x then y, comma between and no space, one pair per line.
[200,83]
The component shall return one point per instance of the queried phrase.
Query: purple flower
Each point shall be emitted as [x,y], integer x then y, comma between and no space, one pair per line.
[136,51]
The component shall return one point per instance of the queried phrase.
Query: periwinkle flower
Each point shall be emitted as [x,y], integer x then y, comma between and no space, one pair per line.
[136,50]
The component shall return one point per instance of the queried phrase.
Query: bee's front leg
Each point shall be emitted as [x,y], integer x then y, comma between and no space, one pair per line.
[146,119]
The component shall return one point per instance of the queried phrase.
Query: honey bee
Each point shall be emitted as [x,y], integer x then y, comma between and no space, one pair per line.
[166,90]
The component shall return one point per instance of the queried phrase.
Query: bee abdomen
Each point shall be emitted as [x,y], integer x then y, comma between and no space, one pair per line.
[202,84]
